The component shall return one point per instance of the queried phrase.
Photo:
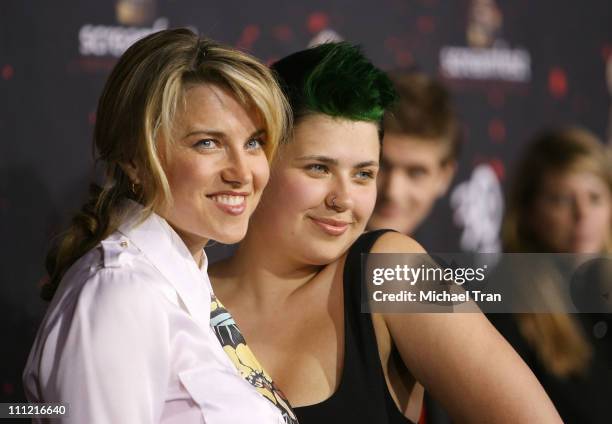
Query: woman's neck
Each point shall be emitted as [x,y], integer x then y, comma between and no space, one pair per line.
[267,271]
[193,243]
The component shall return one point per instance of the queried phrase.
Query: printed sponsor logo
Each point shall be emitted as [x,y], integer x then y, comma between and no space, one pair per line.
[478,206]
[103,40]
[487,56]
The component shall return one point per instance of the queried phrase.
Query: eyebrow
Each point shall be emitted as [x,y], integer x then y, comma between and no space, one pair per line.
[324,159]
[220,134]
[366,164]
[331,161]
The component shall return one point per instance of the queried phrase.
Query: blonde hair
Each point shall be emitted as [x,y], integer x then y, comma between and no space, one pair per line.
[137,105]
[557,339]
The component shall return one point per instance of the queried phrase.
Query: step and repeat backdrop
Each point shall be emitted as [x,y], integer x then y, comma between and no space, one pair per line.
[513,67]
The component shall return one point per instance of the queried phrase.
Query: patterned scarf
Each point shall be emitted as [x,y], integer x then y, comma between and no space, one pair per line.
[248,366]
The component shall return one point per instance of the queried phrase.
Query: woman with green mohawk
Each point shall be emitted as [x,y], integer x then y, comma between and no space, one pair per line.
[293,285]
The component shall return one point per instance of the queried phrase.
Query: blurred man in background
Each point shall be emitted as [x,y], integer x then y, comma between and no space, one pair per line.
[419,155]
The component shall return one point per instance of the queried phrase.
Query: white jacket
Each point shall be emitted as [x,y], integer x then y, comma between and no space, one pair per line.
[126,338]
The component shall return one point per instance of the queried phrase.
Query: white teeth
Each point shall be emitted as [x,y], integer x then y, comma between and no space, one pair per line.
[229,200]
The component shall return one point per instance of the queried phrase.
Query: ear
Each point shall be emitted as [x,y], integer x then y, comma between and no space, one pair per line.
[447,173]
[131,170]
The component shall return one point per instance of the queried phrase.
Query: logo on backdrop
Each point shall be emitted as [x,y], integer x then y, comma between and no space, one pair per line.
[137,20]
[102,40]
[488,56]
[478,206]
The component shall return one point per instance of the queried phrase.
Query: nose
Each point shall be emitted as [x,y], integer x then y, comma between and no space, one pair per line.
[391,184]
[236,170]
[340,197]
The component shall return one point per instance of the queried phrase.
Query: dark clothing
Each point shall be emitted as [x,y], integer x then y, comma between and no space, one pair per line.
[362,395]
[578,400]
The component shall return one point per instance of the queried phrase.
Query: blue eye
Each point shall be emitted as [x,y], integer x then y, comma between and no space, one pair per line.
[205,144]
[254,143]
[365,175]
[317,168]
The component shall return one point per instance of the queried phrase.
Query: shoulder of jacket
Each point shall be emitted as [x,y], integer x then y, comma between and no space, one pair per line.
[118,251]
[120,258]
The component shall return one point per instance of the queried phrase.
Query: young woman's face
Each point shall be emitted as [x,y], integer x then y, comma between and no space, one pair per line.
[216,166]
[573,212]
[322,188]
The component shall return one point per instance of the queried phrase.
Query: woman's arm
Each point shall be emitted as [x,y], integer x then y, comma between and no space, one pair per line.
[464,362]
[108,356]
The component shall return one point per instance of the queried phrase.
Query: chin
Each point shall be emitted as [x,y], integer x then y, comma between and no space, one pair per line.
[321,259]
[230,236]
[328,252]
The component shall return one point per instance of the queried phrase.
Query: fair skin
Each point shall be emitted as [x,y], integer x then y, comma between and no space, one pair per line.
[215,165]
[573,212]
[412,177]
[318,202]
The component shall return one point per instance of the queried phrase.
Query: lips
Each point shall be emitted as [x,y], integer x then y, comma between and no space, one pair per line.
[332,227]
[229,202]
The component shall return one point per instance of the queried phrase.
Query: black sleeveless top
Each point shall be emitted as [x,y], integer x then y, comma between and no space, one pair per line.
[362,395]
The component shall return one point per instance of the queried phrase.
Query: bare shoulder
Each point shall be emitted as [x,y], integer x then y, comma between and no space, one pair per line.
[393,242]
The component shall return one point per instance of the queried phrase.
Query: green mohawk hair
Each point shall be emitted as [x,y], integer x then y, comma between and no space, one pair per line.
[335,79]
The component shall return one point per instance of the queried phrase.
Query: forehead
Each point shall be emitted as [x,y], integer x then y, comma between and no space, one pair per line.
[215,106]
[574,180]
[402,150]
[335,137]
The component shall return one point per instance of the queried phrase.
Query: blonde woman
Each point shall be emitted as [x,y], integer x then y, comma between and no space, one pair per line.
[184,128]
[561,202]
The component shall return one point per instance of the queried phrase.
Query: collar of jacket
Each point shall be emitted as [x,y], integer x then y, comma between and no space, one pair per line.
[156,239]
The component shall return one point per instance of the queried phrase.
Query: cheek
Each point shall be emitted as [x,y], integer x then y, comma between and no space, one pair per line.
[303,193]
[365,200]
[288,194]
[602,218]
[189,174]
[553,224]
[430,182]
[261,173]
[423,193]
[430,198]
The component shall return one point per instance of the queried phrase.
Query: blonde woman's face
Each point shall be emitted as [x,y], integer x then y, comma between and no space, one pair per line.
[215,165]
[573,213]
[322,190]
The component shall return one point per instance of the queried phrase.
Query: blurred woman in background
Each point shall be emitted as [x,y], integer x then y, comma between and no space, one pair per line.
[561,202]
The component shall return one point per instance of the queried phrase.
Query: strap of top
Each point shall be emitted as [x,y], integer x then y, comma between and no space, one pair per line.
[360,330]
[354,269]
[234,345]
